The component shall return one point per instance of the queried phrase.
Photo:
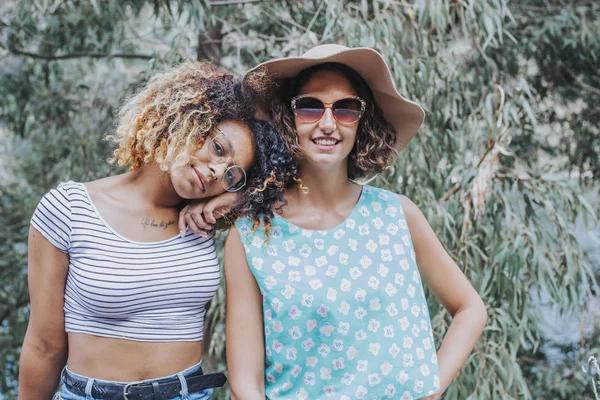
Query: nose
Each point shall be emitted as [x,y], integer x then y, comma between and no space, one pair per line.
[217,170]
[327,122]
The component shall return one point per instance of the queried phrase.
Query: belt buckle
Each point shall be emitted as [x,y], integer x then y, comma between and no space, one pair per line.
[127,386]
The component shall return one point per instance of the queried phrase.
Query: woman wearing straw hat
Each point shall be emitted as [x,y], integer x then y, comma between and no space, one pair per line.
[325,299]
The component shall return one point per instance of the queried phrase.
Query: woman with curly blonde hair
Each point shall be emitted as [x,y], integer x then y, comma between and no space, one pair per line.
[118,292]
[327,300]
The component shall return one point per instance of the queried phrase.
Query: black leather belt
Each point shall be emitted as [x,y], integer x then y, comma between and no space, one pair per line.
[159,389]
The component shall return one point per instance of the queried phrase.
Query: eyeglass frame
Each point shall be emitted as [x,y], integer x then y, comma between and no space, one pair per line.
[226,161]
[363,107]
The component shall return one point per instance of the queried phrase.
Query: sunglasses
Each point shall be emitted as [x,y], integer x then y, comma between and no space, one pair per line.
[310,109]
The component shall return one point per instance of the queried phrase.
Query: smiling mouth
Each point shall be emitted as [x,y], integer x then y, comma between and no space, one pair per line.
[200,180]
[325,141]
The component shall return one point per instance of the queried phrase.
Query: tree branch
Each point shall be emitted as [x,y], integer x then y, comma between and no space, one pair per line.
[81,55]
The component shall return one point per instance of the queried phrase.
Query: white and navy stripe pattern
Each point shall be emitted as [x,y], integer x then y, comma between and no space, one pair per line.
[124,289]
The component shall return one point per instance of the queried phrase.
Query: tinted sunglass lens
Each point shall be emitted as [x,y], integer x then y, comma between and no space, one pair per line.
[347,110]
[309,109]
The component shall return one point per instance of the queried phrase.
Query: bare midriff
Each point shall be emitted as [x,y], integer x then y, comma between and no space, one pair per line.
[127,360]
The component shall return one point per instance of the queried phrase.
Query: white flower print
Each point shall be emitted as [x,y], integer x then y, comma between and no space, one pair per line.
[388,331]
[337,235]
[391,211]
[402,223]
[321,261]
[332,271]
[374,325]
[272,250]
[309,270]
[374,304]
[371,246]
[315,284]
[306,233]
[277,346]
[351,353]
[331,294]
[390,290]
[383,196]
[288,291]
[276,232]
[374,379]
[310,325]
[338,363]
[404,303]
[350,223]
[257,263]
[407,360]
[325,373]
[355,273]
[392,229]
[406,240]
[378,223]
[323,350]
[376,206]
[420,353]
[352,244]
[270,282]
[311,361]
[365,262]
[278,367]
[406,396]
[363,230]
[383,270]
[394,350]
[343,327]
[418,388]
[344,308]
[364,211]
[319,244]
[392,310]
[305,251]
[309,378]
[360,295]
[361,392]
[404,264]
[295,312]
[384,240]
[362,365]
[415,310]
[286,386]
[329,390]
[348,378]
[402,377]
[346,285]
[374,348]
[344,258]
[257,242]
[404,324]
[390,391]
[307,300]
[308,344]
[294,276]
[293,261]
[332,250]
[424,326]
[386,368]
[425,370]
[360,313]
[338,344]
[267,330]
[323,310]
[327,329]
[416,330]
[360,336]
[302,394]
[296,370]
[271,378]
[411,291]
[416,277]
[399,279]
[290,354]
[398,249]
[434,359]
[386,255]
[436,381]
[268,314]
[407,342]
[277,326]
[244,229]
[268,352]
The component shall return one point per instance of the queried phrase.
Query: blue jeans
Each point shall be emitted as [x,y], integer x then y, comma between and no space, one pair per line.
[65,394]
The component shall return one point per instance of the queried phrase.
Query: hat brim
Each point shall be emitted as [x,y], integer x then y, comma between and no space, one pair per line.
[404,115]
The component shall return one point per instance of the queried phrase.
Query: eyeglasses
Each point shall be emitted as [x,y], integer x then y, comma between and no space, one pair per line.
[220,150]
[310,109]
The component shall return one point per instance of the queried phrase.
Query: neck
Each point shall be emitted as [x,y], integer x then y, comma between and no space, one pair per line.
[154,186]
[326,185]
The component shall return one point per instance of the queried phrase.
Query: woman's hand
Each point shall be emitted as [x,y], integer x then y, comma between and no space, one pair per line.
[200,216]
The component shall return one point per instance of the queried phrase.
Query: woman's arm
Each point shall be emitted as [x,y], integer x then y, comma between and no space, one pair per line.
[244,324]
[44,350]
[451,287]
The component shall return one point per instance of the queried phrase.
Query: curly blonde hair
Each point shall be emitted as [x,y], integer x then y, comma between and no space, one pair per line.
[174,112]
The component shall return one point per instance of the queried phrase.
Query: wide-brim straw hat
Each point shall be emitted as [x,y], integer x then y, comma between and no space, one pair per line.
[405,116]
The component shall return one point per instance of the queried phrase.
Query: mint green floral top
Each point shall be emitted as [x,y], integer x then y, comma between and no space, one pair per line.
[345,315]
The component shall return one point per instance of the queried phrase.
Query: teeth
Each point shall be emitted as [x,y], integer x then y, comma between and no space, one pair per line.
[325,142]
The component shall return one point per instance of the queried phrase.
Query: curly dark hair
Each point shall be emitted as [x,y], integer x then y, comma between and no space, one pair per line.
[373,149]
[273,167]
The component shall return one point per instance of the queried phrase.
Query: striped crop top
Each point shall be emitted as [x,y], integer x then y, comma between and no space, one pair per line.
[121,288]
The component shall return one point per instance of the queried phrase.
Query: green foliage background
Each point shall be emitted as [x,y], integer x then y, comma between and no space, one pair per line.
[502,168]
